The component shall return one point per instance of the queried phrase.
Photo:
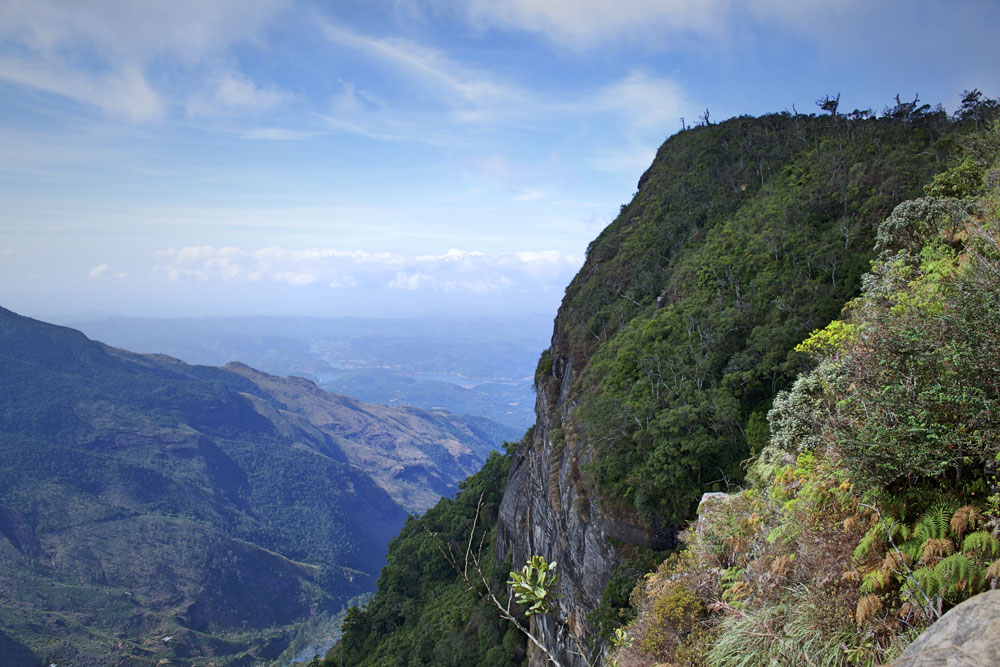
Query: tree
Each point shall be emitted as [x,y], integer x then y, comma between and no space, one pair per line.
[829,103]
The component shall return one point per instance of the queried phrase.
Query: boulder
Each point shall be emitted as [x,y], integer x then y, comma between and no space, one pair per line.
[968,635]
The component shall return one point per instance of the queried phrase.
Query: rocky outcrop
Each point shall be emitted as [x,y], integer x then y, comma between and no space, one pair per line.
[548,509]
[966,636]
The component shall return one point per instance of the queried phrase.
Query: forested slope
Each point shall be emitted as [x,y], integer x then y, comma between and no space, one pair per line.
[153,510]
[875,507]
[681,328]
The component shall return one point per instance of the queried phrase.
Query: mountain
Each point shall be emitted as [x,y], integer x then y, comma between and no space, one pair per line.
[672,343]
[469,366]
[150,509]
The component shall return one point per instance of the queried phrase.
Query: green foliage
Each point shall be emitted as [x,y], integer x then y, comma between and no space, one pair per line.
[963,180]
[674,614]
[535,585]
[422,613]
[849,542]
[925,401]
[829,340]
[757,432]
[742,274]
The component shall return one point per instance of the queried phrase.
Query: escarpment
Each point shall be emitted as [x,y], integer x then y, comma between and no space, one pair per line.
[679,329]
[666,354]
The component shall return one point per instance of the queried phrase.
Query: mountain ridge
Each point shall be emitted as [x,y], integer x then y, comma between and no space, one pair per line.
[670,345]
[142,497]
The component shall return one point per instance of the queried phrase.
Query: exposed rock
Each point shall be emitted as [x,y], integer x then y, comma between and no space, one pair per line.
[548,510]
[967,636]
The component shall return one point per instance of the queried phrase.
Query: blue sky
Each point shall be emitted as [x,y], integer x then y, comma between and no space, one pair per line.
[183,157]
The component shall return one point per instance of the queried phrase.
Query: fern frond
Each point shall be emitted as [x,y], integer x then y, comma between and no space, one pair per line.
[912,548]
[869,541]
[993,571]
[875,580]
[731,575]
[898,530]
[928,581]
[965,517]
[959,573]
[936,549]
[868,606]
[981,542]
[934,524]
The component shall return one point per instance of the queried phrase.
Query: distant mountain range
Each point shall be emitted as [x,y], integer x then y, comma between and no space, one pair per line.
[467,366]
[151,509]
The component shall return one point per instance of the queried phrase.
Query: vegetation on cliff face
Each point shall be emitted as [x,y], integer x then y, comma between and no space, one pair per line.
[423,613]
[688,319]
[742,239]
[876,505]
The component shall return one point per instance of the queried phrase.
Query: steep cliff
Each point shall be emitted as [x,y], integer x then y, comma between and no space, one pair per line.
[667,352]
[678,331]
[875,506]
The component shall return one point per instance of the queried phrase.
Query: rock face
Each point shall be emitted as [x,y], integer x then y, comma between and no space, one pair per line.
[968,635]
[548,509]
[541,514]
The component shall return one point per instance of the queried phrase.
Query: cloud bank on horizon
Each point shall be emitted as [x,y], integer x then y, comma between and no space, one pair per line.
[451,147]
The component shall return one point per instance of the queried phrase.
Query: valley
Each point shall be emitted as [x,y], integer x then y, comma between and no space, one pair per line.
[151,509]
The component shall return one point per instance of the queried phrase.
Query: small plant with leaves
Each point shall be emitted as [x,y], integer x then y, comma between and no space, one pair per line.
[534,585]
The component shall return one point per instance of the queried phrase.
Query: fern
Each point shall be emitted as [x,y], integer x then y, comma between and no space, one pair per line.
[913,548]
[934,524]
[928,580]
[965,517]
[981,542]
[958,573]
[868,542]
[875,581]
[867,608]
[731,575]
[935,549]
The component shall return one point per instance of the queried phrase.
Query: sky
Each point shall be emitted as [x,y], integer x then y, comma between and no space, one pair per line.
[391,157]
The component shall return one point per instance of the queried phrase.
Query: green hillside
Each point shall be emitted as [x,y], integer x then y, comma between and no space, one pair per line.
[230,511]
[684,325]
[875,507]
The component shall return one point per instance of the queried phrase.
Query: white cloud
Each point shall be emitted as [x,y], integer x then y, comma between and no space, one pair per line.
[99,52]
[232,91]
[650,103]
[471,91]
[6,252]
[99,270]
[135,32]
[586,23]
[449,95]
[467,271]
[124,93]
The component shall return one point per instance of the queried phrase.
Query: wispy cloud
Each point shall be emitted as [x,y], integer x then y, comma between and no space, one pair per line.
[123,93]
[231,91]
[467,271]
[104,270]
[100,53]
[464,96]
[580,24]
[278,134]
[472,93]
